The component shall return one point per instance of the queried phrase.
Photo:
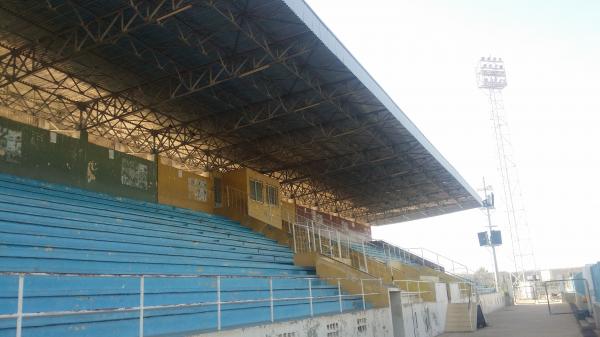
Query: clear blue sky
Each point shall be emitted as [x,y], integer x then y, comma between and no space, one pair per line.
[424,55]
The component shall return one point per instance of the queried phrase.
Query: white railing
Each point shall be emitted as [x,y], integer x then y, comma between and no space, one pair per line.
[351,247]
[332,243]
[416,288]
[449,265]
[386,252]
[236,201]
[307,236]
[467,289]
[19,315]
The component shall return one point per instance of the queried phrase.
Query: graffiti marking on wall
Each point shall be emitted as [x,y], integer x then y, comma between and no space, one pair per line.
[10,145]
[197,189]
[134,174]
[91,171]
[426,319]
[37,140]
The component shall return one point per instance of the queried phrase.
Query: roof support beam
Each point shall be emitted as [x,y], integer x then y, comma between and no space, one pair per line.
[314,134]
[304,138]
[344,162]
[260,39]
[55,48]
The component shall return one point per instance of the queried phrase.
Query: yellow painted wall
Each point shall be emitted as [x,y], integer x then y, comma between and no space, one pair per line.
[212,176]
[288,211]
[330,270]
[263,211]
[184,189]
[236,187]
[236,179]
[235,199]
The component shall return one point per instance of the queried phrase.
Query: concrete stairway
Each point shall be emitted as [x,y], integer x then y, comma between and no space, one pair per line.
[461,317]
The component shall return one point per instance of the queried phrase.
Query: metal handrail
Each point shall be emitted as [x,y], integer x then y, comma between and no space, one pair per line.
[20,315]
[312,240]
[440,259]
[316,236]
[390,250]
[393,252]
[313,237]
[418,294]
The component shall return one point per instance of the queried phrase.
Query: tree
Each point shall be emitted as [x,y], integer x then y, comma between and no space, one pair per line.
[484,277]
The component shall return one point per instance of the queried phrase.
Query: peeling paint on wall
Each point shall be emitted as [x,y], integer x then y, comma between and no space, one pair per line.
[377,321]
[426,319]
[197,189]
[38,139]
[10,145]
[134,174]
[29,151]
[91,171]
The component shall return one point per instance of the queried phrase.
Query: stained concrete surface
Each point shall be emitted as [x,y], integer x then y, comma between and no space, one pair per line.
[527,321]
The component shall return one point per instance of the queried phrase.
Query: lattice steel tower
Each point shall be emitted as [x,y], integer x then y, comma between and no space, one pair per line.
[491,77]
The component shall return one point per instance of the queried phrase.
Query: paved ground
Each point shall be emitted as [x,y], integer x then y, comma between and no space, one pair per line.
[527,321]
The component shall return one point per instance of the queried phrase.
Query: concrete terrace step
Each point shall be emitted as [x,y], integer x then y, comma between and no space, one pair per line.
[48,228]
[104,199]
[78,207]
[55,222]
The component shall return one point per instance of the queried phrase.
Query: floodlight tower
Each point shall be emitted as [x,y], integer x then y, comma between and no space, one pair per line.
[491,77]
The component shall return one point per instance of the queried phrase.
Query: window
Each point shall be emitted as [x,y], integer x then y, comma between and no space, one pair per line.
[256,190]
[272,195]
[217,191]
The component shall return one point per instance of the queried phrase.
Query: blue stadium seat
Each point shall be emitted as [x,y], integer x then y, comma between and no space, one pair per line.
[380,254]
[47,228]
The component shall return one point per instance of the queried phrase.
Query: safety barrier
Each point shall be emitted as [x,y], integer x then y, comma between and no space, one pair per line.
[142,308]
[419,289]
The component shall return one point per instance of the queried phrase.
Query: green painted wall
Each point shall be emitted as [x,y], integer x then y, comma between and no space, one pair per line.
[40,154]
[119,174]
[28,151]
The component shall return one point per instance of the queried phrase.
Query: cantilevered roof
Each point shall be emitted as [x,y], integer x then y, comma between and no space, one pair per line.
[216,85]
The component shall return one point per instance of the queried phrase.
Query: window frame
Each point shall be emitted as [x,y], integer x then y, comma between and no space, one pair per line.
[275,195]
[218,191]
[255,192]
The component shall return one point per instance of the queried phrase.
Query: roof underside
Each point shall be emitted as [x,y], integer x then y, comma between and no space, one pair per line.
[216,85]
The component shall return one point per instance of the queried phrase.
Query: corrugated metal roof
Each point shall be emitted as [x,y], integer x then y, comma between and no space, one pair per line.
[222,84]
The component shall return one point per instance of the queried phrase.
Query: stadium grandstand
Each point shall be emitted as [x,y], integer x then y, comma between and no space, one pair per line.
[208,168]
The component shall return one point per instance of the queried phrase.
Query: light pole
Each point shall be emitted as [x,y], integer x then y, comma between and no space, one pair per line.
[491,77]
[488,203]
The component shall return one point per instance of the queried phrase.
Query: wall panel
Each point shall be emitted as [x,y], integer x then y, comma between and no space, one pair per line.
[120,174]
[263,211]
[40,154]
[184,189]
[36,153]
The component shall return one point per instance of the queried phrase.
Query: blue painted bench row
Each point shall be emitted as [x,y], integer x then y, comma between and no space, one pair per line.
[50,228]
